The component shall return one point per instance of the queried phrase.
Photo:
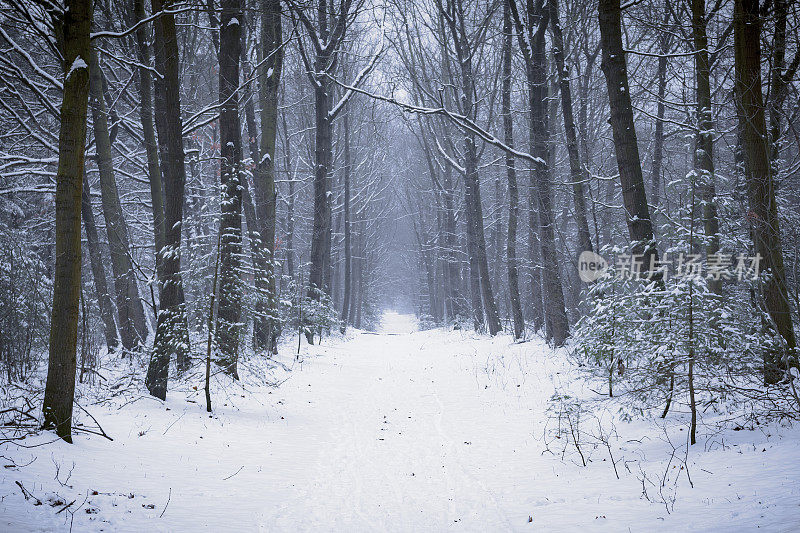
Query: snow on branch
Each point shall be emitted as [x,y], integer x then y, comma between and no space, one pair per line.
[459,120]
[193,122]
[124,33]
[379,49]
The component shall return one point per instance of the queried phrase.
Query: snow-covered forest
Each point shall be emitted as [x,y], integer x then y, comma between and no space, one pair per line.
[399,265]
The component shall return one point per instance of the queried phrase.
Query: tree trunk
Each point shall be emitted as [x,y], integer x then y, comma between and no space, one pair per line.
[98,269]
[132,323]
[583,126]
[348,253]
[511,171]
[576,172]
[475,221]
[476,237]
[229,313]
[704,142]
[266,191]
[73,36]
[760,185]
[336,266]
[779,78]
[320,260]
[634,197]
[498,202]
[320,272]
[556,325]
[259,258]
[474,277]
[533,26]
[534,249]
[361,253]
[261,230]
[149,134]
[172,334]
[287,158]
[658,139]
[319,275]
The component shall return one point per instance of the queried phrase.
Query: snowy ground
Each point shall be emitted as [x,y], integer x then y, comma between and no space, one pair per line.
[398,431]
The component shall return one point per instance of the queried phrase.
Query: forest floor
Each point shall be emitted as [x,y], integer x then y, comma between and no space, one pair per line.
[399,431]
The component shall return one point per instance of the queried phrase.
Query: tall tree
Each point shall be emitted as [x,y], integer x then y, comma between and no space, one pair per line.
[704,141]
[348,246]
[760,183]
[658,135]
[614,66]
[326,37]
[229,313]
[149,136]
[132,324]
[98,268]
[531,35]
[72,27]
[326,45]
[464,45]
[511,172]
[268,327]
[172,333]
[577,173]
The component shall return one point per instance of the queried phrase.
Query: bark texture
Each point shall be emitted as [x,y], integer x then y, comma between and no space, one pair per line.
[268,326]
[132,324]
[172,334]
[229,313]
[511,173]
[72,29]
[760,183]
[98,269]
[634,197]
[704,141]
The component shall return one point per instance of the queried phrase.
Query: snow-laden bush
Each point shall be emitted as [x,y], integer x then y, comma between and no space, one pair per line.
[298,310]
[639,337]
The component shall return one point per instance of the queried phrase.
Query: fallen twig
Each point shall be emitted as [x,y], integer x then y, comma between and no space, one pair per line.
[65,507]
[27,494]
[169,497]
[102,432]
[240,469]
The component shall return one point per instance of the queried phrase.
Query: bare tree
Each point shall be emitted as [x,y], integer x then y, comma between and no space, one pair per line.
[464,46]
[704,142]
[72,28]
[132,325]
[577,173]
[149,136]
[531,34]
[511,171]
[760,183]
[267,325]
[614,66]
[229,313]
[172,335]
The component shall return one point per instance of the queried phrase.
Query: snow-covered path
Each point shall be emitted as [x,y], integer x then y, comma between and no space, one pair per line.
[396,431]
[401,452]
